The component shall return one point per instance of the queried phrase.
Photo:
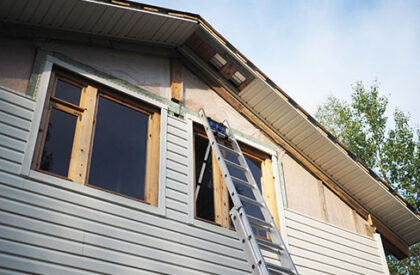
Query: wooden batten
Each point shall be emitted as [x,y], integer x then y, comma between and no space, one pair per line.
[152,160]
[221,196]
[83,136]
[268,189]
[177,89]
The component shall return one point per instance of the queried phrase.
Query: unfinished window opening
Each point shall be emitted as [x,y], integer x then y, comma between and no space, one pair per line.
[211,195]
[94,136]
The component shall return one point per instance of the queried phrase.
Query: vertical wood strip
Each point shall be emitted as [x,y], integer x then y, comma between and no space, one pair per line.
[83,136]
[268,189]
[176,80]
[152,160]
[221,196]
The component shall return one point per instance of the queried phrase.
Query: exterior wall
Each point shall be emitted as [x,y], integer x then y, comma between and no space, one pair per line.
[309,196]
[16,58]
[47,221]
[320,248]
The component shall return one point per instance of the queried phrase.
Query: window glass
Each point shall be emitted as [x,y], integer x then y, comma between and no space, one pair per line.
[118,160]
[67,92]
[58,143]
[255,167]
[204,189]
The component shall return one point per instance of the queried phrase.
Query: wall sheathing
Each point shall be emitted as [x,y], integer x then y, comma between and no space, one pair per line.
[47,222]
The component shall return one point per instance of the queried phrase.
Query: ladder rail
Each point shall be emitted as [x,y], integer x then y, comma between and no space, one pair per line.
[238,213]
[274,234]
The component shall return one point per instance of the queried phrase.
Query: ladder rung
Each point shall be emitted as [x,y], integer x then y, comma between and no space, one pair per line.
[234,165]
[227,149]
[247,184]
[259,223]
[269,245]
[276,269]
[249,200]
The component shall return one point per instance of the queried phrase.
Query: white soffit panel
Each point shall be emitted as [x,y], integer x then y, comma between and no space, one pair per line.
[294,126]
[99,18]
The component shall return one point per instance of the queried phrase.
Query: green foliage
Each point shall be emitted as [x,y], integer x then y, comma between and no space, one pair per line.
[394,153]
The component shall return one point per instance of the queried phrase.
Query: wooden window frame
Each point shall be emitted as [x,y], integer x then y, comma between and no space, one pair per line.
[220,192]
[86,112]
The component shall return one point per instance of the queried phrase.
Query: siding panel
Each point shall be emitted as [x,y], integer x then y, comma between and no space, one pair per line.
[321,248]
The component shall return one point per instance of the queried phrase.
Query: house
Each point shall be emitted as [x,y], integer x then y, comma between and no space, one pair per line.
[101,150]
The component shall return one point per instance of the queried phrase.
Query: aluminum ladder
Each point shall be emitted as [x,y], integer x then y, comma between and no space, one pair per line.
[261,263]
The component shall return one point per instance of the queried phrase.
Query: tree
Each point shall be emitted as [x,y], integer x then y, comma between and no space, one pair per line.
[392,152]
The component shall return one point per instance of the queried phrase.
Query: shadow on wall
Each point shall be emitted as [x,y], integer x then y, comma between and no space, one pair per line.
[16,60]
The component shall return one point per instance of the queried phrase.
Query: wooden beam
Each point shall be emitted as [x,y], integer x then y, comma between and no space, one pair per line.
[227,71]
[392,242]
[268,189]
[177,89]
[78,168]
[221,196]
[152,160]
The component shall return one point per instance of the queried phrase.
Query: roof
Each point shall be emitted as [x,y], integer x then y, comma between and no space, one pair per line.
[123,20]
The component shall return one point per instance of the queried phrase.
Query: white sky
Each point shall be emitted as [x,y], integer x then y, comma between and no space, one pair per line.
[315,48]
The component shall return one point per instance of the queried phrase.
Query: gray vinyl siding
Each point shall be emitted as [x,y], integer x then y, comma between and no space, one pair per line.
[52,226]
[320,248]
[55,226]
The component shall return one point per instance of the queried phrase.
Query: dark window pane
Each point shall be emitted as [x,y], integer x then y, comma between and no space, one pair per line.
[118,160]
[67,92]
[205,201]
[255,167]
[58,143]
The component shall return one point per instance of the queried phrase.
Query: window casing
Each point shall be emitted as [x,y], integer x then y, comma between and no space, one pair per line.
[94,136]
[212,201]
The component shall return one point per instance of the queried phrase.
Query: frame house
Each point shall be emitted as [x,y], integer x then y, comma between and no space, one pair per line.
[101,152]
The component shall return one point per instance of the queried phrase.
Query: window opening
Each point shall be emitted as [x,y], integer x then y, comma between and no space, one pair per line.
[99,138]
[208,196]
[118,161]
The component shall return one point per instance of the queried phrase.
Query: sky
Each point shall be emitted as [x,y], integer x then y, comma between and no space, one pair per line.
[313,49]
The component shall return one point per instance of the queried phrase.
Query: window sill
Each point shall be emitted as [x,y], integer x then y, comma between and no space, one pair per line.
[95,193]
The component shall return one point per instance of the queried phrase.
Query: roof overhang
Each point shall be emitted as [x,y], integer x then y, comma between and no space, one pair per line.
[295,128]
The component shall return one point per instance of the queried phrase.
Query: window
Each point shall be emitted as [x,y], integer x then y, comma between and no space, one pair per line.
[211,195]
[97,137]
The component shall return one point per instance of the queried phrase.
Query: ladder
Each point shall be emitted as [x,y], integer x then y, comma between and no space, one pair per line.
[264,256]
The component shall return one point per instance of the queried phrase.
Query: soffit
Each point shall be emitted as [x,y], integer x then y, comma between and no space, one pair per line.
[101,19]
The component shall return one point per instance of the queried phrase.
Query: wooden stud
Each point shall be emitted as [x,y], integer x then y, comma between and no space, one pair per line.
[268,189]
[78,168]
[220,195]
[152,160]
[176,80]
[227,71]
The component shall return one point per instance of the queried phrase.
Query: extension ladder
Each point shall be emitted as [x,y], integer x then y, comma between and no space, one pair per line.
[264,256]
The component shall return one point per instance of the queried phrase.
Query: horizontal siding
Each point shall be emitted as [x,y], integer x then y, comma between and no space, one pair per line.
[16,112]
[320,248]
[52,226]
